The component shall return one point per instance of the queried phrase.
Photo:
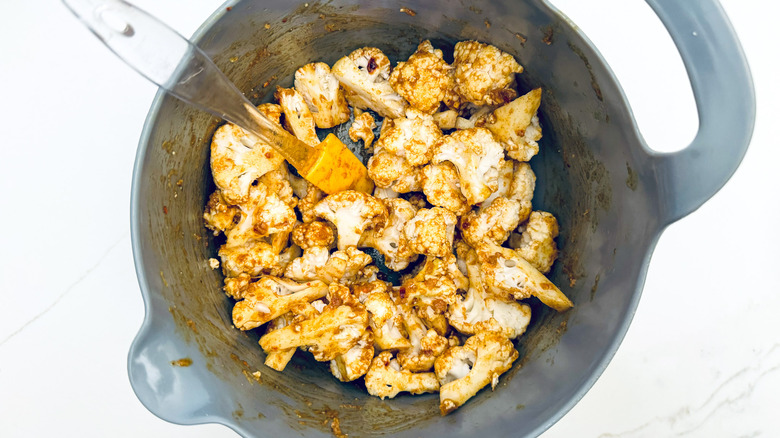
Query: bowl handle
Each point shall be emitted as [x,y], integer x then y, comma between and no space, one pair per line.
[725,100]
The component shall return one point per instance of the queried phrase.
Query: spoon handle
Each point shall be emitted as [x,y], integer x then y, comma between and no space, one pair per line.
[182,69]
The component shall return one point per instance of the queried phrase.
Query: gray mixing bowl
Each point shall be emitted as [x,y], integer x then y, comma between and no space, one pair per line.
[612,195]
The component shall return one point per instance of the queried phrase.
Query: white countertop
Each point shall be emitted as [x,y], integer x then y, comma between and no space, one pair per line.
[701,358]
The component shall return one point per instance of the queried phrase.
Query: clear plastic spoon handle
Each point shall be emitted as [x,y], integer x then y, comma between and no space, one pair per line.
[176,65]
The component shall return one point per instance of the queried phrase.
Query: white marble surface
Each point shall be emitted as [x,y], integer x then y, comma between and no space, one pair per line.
[701,358]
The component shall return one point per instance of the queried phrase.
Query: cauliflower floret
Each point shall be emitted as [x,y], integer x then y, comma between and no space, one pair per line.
[505,175]
[473,116]
[522,187]
[252,257]
[323,94]
[411,137]
[313,234]
[431,231]
[352,212]
[236,287]
[536,242]
[297,114]
[463,371]
[426,343]
[362,128]
[307,266]
[508,274]
[364,74]
[495,222]
[348,266]
[237,160]
[385,193]
[505,209]
[483,72]
[424,79]
[218,214]
[385,378]
[516,125]
[477,156]
[386,322]
[445,119]
[309,196]
[271,297]
[388,170]
[326,335]
[362,290]
[390,239]
[478,311]
[441,186]
[278,182]
[263,214]
[286,256]
[433,289]
[354,362]
[278,360]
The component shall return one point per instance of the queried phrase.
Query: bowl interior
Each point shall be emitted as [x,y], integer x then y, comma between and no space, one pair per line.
[591,171]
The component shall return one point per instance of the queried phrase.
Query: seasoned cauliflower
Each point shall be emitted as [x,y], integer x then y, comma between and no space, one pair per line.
[494,222]
[536,242]
[385,378]
[252,257]
[445,119]
[297,115]
[431,231]
[292,255]
[441,186]
[308,265]
[426,343]
[309,196]
[390,240]
[388,170]
[483,72]
[237,160]
[235,287]
[262,214]
[323,94]
[352,213]
[347,266]
[313,234]
[354,363]
[516,125]
[364,74]
[464,370]
[271,297]
[386,322]
[326,335]
[278,360]
[508,274]
[218,214]
[473,116]
[362,128]
[433,289]
[424,79]
[411,137]
[480,311]
[277,181]
[477,156]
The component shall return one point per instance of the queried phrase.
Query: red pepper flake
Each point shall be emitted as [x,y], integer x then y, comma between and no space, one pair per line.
[402,292]
[165,210]
[284,20]
[229,8]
